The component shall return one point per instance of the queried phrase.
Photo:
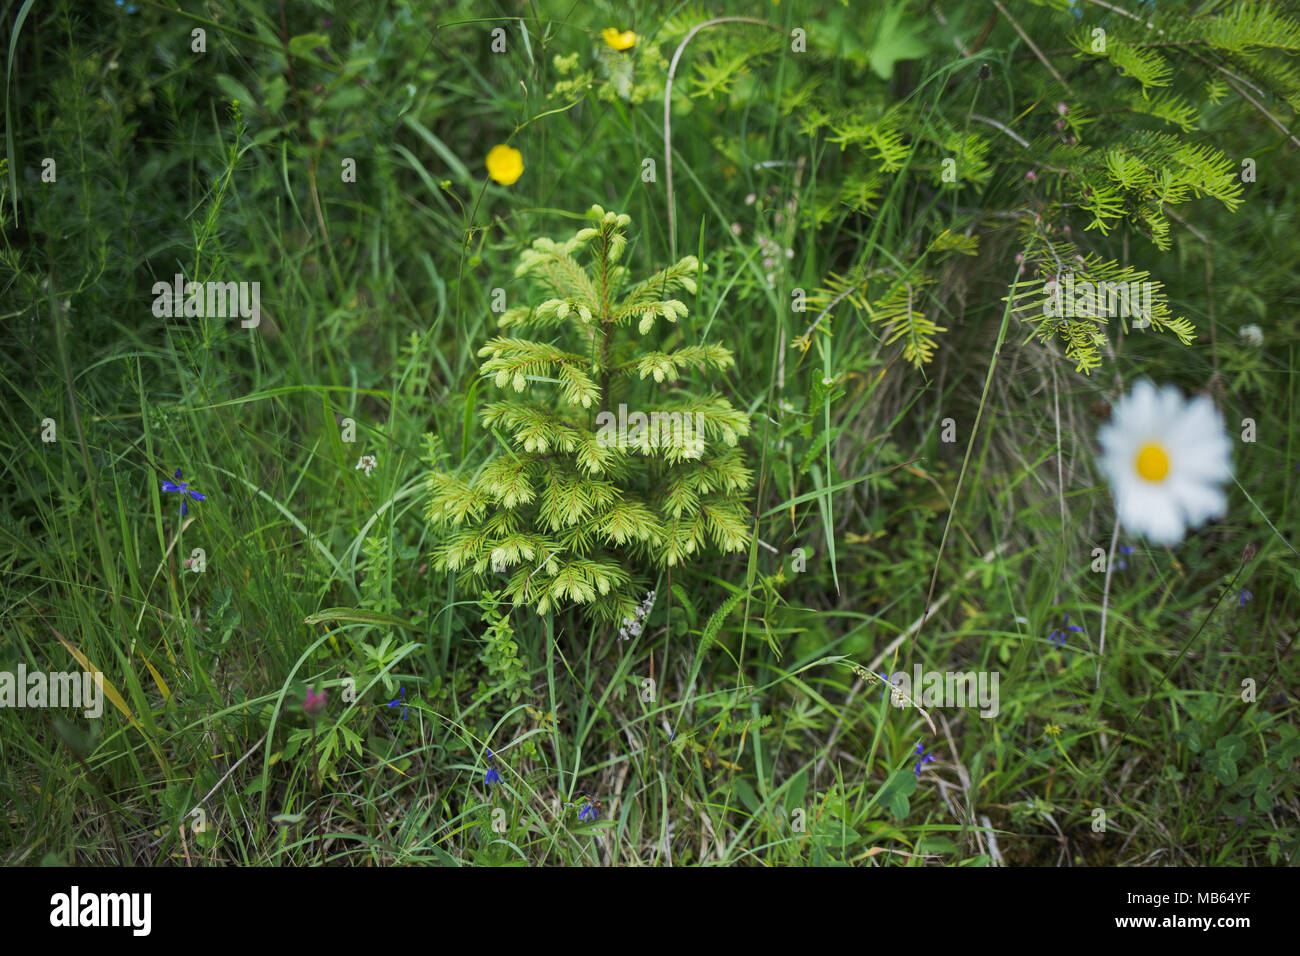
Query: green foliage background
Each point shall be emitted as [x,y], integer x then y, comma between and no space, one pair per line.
[878,196]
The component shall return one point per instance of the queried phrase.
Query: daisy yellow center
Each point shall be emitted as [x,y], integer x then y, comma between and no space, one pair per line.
[1152,462]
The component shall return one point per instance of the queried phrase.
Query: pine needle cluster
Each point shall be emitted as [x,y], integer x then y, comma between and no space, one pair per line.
[575,509]
[1116,135]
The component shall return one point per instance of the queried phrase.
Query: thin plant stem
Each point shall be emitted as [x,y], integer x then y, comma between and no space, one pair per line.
[1105,598]
[668,131]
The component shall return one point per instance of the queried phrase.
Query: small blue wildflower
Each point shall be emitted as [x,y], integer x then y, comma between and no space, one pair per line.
[1121,564]
[1058,637]
[1244,596]
[923,757]
[184,489]
[400,700]
[492,776]
[588,808]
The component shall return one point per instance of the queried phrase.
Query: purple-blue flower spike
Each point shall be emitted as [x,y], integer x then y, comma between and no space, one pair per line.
[184,489]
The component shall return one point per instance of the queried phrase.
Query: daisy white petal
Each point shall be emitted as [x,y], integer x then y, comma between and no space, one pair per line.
[1200,502]
[1153,514]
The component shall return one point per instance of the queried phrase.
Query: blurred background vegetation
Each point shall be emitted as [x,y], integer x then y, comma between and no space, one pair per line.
[911,173]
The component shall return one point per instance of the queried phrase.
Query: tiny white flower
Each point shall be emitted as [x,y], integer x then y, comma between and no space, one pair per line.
[367,463]
[1252,335]
[749,200]
[1166,459]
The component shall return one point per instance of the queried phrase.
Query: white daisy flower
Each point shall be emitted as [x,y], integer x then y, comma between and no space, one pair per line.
[1252,335]
[1166,459]
[367,463]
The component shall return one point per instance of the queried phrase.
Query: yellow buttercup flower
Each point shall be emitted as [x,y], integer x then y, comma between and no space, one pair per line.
[619,41]
[505,164]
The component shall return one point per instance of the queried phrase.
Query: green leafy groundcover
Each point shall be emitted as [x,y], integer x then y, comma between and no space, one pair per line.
[640,397]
